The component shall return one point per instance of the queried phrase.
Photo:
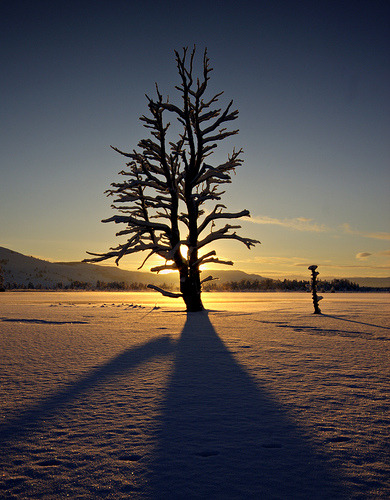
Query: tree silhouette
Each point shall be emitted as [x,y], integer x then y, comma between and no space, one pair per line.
[2,289]
[316,298]
[169,198]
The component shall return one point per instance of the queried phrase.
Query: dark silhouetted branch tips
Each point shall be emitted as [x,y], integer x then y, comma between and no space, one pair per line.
[168,185]
[165,292]
[209,278]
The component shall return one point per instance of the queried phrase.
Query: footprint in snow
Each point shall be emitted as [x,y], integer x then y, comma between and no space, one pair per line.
[338,439]
[130,458]
[207,453]
[271,445]
[49,463]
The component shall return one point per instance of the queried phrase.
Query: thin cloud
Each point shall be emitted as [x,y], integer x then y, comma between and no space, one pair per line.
[308,225]
[270,260]
[297,223]
[345,266]
[380,235]
[363,255]
[348,230]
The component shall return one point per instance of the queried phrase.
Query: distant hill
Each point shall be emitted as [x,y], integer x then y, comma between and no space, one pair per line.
[22,270]
[231,275]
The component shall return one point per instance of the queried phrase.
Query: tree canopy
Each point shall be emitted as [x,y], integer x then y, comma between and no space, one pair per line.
[170,195]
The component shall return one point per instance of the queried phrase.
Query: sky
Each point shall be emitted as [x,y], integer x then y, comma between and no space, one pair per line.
[310,81]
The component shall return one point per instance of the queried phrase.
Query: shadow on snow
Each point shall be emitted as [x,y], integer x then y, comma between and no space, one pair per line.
[221,437]
[43,321]
[31,419]
[218,435]
[354,321]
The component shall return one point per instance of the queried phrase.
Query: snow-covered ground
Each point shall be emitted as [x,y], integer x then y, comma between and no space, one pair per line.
[123,395]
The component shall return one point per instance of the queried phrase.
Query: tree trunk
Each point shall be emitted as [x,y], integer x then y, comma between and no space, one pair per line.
[193,302]
[316,299]
[317,309]
[191,289]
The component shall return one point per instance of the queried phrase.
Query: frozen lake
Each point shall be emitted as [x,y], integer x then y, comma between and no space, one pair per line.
[230,301]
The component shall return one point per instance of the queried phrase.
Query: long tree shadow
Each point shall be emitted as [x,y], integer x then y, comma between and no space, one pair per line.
[355,321]
[31,419]
[222,437]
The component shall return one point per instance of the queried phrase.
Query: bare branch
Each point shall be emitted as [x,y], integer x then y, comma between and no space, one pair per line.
[220,136]
[218,261]
[226,116]
[201,259]
[164,267]
[223,233]
[165,292]
[209,278]
[167,182]
[139,223]
[221,215]
[157,249]
[145,259]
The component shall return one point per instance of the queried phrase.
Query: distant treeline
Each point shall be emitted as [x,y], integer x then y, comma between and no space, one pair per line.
[265,285]
[83,285]
[268,284]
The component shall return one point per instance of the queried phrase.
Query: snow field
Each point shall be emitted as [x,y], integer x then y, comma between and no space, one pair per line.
[120,396]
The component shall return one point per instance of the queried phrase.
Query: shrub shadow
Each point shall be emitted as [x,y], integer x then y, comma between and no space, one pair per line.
[222,437]
[355,321]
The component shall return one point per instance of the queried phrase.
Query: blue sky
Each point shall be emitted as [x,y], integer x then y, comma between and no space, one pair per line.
[311,83]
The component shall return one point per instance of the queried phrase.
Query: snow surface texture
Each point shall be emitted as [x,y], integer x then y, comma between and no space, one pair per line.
[118,395]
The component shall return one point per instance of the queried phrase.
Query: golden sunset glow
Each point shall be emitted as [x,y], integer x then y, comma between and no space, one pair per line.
[194,250]
[184,251]
[315,175]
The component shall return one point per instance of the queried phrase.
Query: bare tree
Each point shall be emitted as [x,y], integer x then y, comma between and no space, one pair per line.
[316,298]
[169,183]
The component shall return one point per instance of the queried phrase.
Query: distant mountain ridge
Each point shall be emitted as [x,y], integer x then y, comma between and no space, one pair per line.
[22,270]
